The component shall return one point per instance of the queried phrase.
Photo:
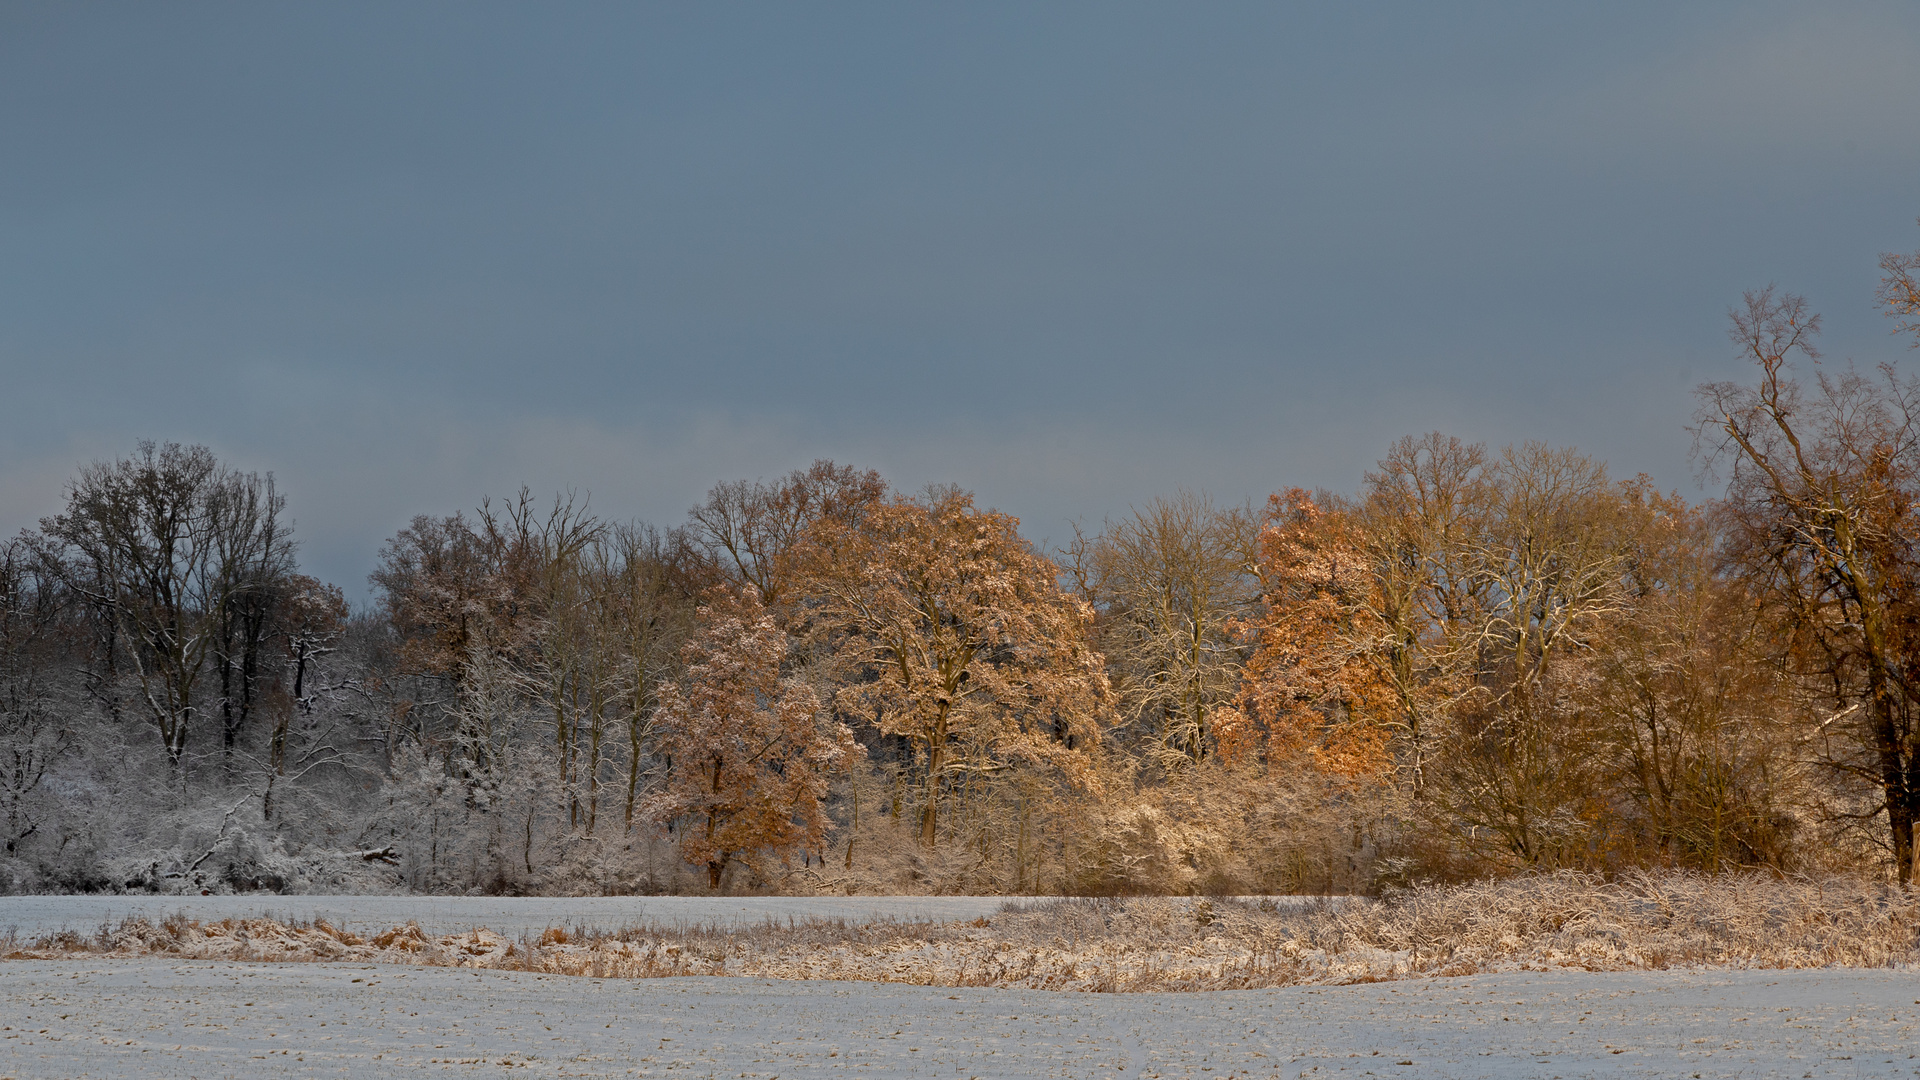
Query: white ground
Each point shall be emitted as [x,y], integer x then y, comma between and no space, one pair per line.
[159,1018]
[32,916]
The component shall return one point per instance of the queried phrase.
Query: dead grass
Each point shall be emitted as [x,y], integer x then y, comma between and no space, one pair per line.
[1650,921]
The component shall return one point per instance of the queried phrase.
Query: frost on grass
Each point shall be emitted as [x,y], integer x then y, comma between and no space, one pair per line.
[1155,943]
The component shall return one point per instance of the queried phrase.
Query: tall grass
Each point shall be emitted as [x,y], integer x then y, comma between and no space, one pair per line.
[1567,920]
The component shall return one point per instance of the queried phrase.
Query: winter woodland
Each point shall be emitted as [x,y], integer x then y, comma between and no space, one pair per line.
[1483,661]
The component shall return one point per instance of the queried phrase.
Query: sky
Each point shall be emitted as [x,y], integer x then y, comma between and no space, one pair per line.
[1068,256]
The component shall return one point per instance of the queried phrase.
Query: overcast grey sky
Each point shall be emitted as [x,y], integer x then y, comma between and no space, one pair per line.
[1069,256]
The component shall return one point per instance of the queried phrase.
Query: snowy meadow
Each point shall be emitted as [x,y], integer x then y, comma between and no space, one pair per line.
[30,917]
[166,1018]
[1563,975]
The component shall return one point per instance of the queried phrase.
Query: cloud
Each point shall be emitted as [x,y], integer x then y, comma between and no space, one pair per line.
[1764,87]
[357,460]
[1070,268]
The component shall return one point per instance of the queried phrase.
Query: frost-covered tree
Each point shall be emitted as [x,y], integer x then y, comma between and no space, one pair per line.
[166,546]
[1314,691]
[1170,580]
[35,717]
[753,531]
[953,632]
[748,753]
[1823,481]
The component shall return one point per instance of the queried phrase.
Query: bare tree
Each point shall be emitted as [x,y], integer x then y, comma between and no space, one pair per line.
[751,529]
[565,657]
[164,545]
[1449,609]
[1900,291]
[1819,511]
[1553,555]
[33,732]
[315,616]
[451,588]
[1692,711]
[1170,580]
[250,619]
[658,579]
[1423,506]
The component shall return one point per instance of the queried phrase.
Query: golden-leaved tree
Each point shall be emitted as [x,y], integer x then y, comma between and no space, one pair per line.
[1440,627]
[748,755]
[953,632]
[1315,688]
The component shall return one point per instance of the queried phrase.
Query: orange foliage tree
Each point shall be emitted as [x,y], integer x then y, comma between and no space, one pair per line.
[748,756]
[1314,689]
[958,636]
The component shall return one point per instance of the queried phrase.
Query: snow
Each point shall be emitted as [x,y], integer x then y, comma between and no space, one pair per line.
[33,916]
[167,1018]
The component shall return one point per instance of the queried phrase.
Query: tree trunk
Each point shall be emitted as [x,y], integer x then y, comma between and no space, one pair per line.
[853,827]
[1893,777]
[229,725]
[936,761]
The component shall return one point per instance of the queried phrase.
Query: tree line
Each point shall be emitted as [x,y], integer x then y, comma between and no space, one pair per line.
[1484,660]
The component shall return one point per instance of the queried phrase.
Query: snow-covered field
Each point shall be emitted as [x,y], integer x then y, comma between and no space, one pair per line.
[32,916]
[166,1018]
